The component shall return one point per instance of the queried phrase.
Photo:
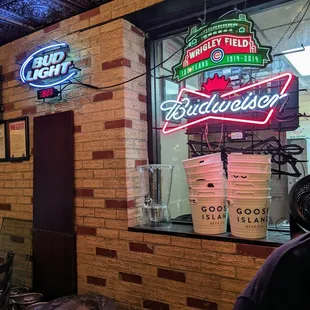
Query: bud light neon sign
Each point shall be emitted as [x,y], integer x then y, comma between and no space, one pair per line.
[47,67]
[217,102]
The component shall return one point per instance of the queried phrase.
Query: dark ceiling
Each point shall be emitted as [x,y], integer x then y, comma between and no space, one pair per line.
[21,17]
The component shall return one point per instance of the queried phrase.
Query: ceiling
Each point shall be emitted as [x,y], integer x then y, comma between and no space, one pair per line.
[21,17]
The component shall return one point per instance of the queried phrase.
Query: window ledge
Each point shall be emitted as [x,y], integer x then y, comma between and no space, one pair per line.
[274,238]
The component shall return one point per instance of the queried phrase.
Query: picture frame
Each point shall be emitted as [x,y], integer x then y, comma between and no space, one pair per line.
[18,139]
[3,142]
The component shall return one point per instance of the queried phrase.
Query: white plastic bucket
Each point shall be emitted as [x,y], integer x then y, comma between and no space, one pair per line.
[248,217]
[252,158]
[202,160]
[248,193]
[207,193]
[204,169]
[260,167]
[245,175]
[248,185]
[209,215]
[208,184]
[215,175]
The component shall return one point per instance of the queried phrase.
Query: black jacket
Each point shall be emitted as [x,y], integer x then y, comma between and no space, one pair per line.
[283,282]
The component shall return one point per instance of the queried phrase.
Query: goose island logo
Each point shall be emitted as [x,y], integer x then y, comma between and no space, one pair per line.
[229,42]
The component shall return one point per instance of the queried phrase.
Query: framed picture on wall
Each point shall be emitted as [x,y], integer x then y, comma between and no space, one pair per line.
[18,139]
[3,141]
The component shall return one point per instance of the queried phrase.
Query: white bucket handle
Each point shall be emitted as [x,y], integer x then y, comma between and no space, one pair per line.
[245,194]
[193,201]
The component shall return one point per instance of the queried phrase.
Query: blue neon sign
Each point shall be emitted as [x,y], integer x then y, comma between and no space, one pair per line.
[47,67]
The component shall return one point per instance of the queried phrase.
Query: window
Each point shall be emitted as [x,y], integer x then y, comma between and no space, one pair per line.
[285,28]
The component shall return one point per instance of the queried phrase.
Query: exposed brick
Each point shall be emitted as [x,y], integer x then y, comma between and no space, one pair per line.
[103,96]
[103,154]
[171,275]
[140,162]
[30,110]
[254,250]
[96,281]
[86,231]
[219,246]
[119,204]
[142,98]
[219,270]
[121,123]
[143,116]
[5,207]
[121,62]
[141,59]
[141,247]
[106,252]
[128,277]
[8,107]
[157,239]
[90,13]
[84,192]
[10,76]
[20,57]
[77,128]
[51,27]
[232,285]
[82,63]
[246,273]
[201,304]
[137,31]
[17,239]
[155,305]
[236,260]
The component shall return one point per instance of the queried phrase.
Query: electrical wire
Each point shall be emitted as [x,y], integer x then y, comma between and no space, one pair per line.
[302,18]
[290,26]
[205,135]
[145,73]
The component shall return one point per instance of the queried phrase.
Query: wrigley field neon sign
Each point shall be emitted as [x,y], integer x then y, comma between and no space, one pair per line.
[228,106]
[224,43]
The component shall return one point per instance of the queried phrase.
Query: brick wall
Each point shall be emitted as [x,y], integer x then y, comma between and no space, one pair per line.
[138,270]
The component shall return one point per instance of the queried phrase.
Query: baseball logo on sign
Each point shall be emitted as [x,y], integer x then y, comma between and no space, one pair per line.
[217,55]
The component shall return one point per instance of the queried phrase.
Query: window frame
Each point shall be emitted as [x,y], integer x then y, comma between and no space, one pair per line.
[154,145]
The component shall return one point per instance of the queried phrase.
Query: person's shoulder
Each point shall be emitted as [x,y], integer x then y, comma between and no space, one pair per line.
[295,250]
[290,249]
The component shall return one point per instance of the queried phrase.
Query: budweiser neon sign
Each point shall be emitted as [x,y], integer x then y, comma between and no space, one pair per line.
[227,106]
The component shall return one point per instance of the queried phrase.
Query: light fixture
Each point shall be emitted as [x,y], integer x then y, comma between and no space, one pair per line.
[299,58]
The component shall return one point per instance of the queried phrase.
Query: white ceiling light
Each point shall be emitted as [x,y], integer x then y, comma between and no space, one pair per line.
[300,59]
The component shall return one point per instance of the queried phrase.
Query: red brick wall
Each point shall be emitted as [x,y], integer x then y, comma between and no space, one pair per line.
[138,270]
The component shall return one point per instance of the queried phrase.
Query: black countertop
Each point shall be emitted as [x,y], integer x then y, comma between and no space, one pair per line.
[274,238]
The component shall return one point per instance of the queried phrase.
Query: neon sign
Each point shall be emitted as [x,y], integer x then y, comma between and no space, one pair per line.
[228,106]
[47,67]
[229,42]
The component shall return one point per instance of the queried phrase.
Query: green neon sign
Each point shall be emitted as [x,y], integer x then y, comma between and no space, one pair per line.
[225,43]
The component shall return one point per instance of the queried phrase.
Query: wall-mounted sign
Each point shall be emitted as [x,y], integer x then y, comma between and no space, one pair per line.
[18,139]
[216,101]
[229,42]
[47,67]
